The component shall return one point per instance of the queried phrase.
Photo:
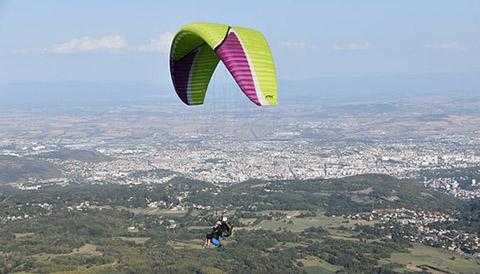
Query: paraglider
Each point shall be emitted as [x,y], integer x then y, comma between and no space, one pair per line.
[197,49]
[221,230]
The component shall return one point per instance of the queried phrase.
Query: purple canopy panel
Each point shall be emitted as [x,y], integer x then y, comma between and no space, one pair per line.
[233,56]
[181,74]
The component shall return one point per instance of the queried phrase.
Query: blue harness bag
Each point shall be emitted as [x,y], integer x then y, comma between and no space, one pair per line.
[216,242]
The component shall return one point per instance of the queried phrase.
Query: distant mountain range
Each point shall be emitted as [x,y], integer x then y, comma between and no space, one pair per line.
[76,93]
[382,87]
[308,90]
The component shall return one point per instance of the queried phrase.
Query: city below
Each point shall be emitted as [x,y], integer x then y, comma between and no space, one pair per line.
[429,143]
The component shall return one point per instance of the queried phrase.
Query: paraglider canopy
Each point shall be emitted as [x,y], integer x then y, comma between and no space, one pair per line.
[197,48]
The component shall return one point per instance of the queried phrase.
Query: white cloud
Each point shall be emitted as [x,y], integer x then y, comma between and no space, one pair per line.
[451,45]
[299,45]
[159,44]
[351,45]
[109,43]
[293,44]
[113,43]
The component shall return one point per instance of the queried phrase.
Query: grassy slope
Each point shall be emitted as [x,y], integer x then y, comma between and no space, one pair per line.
[441,259]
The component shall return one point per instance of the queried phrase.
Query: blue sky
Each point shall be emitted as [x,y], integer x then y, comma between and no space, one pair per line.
[128,41]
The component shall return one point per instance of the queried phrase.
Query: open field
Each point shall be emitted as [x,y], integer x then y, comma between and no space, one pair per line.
[315,265]
[434,260]
[154,211]
[300,224]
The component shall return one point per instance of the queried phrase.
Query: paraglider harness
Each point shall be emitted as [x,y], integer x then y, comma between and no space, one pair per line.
[221,230]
